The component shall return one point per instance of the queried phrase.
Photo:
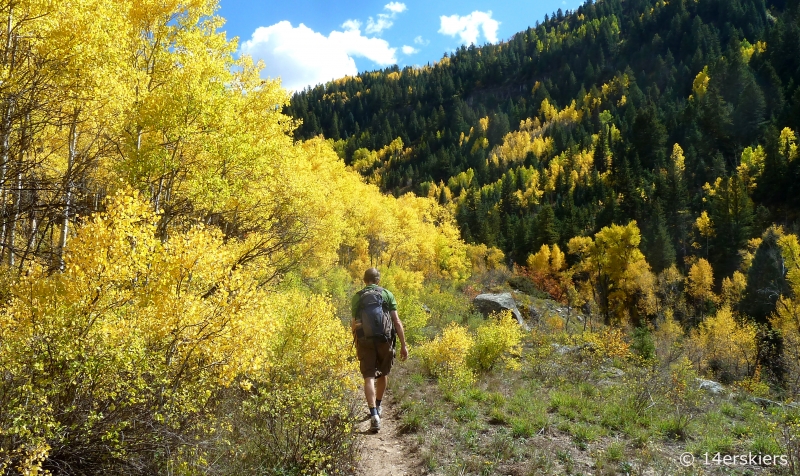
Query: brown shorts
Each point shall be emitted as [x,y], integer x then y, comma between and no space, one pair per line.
[375,358]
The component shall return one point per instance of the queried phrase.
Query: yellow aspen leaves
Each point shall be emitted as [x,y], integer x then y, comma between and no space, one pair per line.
[568,115]
[484,258]
[726,344]
[517,145]
[678,159]
[540,261]
[547,260]
[184,290]
[705,227]
[788,144]
[701,281]
[748,49]
[787,316]
[617,271]
[700,84]
[733,289]
[751,166]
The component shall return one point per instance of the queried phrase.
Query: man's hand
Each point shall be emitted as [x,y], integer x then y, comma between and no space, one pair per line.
[403,353]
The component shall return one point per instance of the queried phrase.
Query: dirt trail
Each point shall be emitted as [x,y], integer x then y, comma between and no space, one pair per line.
[385,453]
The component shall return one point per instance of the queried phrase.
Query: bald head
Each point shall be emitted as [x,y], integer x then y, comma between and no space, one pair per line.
[372,276]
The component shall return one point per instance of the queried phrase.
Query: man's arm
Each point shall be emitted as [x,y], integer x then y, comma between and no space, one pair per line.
[398,326]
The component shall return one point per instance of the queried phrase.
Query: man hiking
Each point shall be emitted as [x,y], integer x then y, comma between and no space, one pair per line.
[375,324]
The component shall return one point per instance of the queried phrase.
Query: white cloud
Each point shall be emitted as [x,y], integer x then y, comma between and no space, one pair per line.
[466,27]
[395,7]
[351,25]
[384,20]
[303,57]
[409,50]
[418,40]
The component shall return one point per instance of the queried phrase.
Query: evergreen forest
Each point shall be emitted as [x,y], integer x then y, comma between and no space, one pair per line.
[618,111]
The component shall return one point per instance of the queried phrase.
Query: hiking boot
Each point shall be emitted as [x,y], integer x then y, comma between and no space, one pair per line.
[380,412]
[375,423]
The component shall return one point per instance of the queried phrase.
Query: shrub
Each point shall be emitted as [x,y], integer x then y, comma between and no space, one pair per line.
[296,413]
[643,343]
[446,306]
[414,318]
[608,343]
[667,338]
[498,339]
[445,357]
[150,357]
[727,348]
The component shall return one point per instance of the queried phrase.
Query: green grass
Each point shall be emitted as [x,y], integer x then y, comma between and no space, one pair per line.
[566,414]
[723,444]
[524,427]
[585,433]
[765,444]
[466,414]
[413,417]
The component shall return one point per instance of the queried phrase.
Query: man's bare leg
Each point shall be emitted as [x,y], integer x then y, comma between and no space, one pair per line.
[369,391]
[380,386]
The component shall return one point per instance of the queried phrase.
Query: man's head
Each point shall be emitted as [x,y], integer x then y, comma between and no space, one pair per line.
[372,276]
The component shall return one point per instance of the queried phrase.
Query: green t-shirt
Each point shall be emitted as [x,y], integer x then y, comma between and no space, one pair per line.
[389,301]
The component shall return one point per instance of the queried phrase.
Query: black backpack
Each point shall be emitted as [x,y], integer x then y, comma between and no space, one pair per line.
[375,321]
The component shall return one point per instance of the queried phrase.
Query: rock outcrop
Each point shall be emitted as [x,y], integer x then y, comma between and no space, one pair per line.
[489,303]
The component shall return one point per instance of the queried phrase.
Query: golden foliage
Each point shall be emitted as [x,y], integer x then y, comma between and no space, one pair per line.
[700,84]
[704,225]
[726,345]
[456,354]
[751,166]
[568,115]
[170,300]
[733,289]
[678,159]
[445,357]
[700,281]
[608,343]
[540,261]
[484,258]
[748,49]
[788,144]
[496,340]
[787,317]
[667,337]
[617,271]
[145,333]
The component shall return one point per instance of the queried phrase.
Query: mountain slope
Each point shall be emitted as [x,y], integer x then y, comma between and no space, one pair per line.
[607,91]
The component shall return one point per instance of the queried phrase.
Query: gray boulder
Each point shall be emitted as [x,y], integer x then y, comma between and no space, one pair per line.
[489,303]
[710,386]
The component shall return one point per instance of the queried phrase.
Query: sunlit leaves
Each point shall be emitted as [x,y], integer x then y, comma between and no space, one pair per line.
[616,270]
[726,344]
[701,281]
[700,84]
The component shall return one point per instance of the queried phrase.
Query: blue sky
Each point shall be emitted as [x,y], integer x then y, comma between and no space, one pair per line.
[306,42]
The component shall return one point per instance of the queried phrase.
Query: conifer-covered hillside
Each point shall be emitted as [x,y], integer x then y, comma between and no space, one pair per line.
[618,111]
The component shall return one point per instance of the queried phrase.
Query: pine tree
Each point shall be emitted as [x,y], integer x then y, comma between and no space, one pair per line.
[546,228]
[765,278]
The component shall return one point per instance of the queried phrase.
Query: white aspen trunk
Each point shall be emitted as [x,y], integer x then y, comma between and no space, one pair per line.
[73,152]
[31,239]
[9,61]
[4,158]
[18,201]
